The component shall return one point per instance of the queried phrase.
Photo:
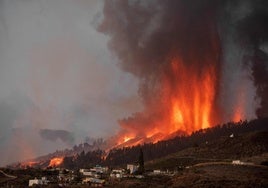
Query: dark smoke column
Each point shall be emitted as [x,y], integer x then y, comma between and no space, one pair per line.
[175,48]
[253,37]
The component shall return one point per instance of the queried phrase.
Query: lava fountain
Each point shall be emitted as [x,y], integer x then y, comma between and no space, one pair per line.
[191,101]
[177,51]
[184,107]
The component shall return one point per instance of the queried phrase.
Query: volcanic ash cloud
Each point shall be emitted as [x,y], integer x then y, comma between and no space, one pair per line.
[188,77]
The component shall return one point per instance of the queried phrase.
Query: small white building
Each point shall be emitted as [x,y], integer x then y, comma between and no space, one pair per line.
[93,180]
[157,171]
[86,172]
[132,168]
[117,173]
[99,169]
[238,162]
[42,181]
[94,171]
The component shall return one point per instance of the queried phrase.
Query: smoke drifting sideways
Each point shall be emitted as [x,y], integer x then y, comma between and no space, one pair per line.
[177,48]
[58,81]
[53,135]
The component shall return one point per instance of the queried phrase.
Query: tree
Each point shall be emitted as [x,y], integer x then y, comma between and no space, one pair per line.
[141,162]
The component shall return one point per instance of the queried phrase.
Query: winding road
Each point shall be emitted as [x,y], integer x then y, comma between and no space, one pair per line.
[8,176]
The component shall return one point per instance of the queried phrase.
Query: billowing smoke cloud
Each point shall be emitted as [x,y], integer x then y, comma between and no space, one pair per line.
[53,135]
[253,37]
[56,73]
[194,64]
[191,57]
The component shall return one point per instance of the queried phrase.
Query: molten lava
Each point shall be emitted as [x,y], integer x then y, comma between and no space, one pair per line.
[55,161]
[186,104]
[192,99]
[181,61]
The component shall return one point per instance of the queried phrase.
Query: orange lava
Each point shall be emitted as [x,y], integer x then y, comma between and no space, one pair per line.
[239,113]
[28,164]
[192,101]
[186,106]
[55,161]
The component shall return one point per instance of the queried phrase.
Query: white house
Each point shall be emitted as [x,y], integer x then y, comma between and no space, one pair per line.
[132,168]
[42,181]
[238,162]
[157,171]
[117,173]
[92,180]
[86,172]
[93,171]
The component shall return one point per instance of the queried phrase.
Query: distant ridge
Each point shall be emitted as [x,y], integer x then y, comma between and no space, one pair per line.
[88,155]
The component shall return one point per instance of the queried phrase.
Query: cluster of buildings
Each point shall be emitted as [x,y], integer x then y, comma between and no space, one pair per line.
[97,176]
[42,181]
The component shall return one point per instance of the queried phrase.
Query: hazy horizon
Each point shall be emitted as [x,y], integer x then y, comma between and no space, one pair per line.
[56,73]
[122,70]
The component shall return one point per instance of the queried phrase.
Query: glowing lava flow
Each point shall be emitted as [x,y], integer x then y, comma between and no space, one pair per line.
[55,161]
[186,105]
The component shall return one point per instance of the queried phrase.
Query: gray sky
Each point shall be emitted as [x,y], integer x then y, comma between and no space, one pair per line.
[57,73]
[60,84]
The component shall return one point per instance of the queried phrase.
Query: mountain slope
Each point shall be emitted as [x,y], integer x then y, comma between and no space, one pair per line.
[245,146]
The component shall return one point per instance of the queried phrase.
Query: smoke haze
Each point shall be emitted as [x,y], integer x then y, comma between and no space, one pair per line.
[71,70]
[59,83]
[187,52]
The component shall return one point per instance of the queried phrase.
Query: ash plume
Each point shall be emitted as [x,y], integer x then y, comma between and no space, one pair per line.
[56,74]
[161,42]
[53,135]
[253,37]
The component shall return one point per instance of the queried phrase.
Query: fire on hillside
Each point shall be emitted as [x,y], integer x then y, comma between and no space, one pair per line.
[56,161]
[178,52]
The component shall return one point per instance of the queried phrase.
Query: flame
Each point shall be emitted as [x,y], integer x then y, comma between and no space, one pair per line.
[28,164]
[185,106]
[192,100]
[239,113]
[126,138]
[56,161]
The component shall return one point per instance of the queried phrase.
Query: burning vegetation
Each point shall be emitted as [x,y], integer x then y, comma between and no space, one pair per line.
[56,161]
[180,52]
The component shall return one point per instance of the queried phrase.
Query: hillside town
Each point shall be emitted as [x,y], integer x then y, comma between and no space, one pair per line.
[97,176]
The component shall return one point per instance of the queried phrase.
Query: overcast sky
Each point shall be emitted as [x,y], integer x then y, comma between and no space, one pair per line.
[57,73]
[61,84]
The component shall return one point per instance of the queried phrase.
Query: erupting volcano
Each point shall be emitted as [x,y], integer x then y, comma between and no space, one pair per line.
[181,52]
[192,101]
[126,71]
[186,104]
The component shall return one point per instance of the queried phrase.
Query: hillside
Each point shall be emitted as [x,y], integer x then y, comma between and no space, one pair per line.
[205,176]
[210,164]
[216,137]
[203,159]
[250,147]
[5,177]
[222,176]
[199,143]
